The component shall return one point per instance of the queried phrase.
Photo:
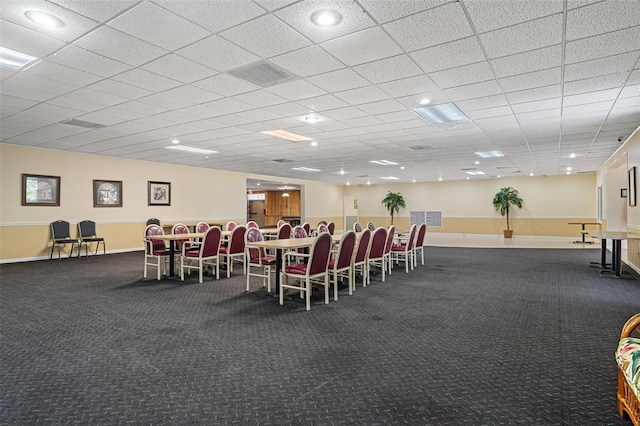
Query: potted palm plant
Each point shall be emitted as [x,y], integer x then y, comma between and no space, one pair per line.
[393,202]
[502,201]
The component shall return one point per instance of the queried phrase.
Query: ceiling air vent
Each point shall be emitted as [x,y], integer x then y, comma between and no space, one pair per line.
[420,147]
[263,74]
[283,160]
[81,123]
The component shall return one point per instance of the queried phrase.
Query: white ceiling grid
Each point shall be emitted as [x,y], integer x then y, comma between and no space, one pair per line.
[539,80]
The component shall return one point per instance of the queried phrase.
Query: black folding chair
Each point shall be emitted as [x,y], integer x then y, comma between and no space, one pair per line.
[87,235]
[61,236]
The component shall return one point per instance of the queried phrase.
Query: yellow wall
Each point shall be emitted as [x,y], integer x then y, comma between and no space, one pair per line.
[196,194]
[466,206]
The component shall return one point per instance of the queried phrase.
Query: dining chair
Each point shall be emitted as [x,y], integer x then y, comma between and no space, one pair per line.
[202,227]
[306,274]
[87,235]
[322,227]
[257,258]
[230,226]
[404,251]
[205,253]
[156,252]
[331,227]
[180,228]
[371,226]
[234,251]
[61,236]
[377,251]
[361,257]
[284,231]
[357,227]
[419,245]
[281,222]
[307,228]
[298,232]
[252,224]
[153,221]
[387,247]
[341,263]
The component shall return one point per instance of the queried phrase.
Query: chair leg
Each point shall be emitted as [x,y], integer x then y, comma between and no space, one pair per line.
[200,269]
[249,276]
[281,290]
[144,275]
[326,289]
[160,261]
[307,293]
[335,285]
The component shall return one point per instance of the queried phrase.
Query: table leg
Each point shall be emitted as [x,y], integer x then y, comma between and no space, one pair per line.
[278,269]
[603,257]
[172,258]
[616,263]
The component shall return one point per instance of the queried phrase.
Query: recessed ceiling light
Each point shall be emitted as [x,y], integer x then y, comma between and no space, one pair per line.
[312,119]
[175,141]
[568,172]
[389,177]
[439,179]
[314,143]
[414,181]
[530,174]
[283,134]
[401,167]
[468,178]
[341,171]
[489,154]
[368,182]
[14,60]
[475,173]
[326,18]
[258,184]
[476,162]
[191,149]
[443,113]
[44,19]
[384,162]
[569,169]
[572,155]
[424,101]
[305,169]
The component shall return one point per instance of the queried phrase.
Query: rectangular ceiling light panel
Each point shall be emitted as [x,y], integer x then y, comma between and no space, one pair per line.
[489,154]
[283,134]
[306,169]
[14,60]
[191,149]
[389,178]
[439,114]
[384,162]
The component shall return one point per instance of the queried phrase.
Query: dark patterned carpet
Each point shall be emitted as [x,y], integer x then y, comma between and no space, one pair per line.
[474,337]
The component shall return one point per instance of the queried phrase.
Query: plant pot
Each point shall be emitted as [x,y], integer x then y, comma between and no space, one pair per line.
[508,233]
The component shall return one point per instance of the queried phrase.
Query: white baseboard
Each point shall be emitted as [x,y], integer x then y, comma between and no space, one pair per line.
[64,256]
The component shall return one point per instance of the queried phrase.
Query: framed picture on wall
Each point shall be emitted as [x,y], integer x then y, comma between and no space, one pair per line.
[39,190]
[632,187]
[623,192]
[107,193]
[159,193]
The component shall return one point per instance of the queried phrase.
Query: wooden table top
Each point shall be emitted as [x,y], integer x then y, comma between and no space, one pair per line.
[585,223]
[169,237]
[616,235]
[289,243]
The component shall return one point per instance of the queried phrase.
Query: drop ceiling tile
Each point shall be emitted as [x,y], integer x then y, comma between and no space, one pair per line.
[78,105]
[96,97]
[322,103]
[140,108]
[489,112]
[594,84]
[146,80]
[532,80]
[384,70]
[491,15]
[587,108]
[449,55]
[192,94]
[308,61]
[336,81]
[299,17]
[345,113]
[14,102]
[296,90]
[258,115]
[382,107]
[103,117]
[602,18]
[201,112]
[419,84]
[430,28]
[462,75]
[364,46]
[470,91]
[483,103]
[634,77]
[362,95]
[179,68]
[385,11]
[538,115]
[534,60]
[260,98]
[266,36]
[118,46]
[604,45]
[163,101]
[56,72]
[41,84]
[552,103]
[218,53]
[288,109]
[226,85]
[25,92]
[84,60]
[363,122]
[591,97]
[149,22]
[527,36]
[99,10]
[215,16]
[598,67]
[535,94]
[27,41]
[119,89]
[228,105]
[406,117]
[631,91]
[74,24]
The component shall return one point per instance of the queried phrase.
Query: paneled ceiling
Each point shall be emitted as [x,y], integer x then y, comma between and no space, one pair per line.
[539,81]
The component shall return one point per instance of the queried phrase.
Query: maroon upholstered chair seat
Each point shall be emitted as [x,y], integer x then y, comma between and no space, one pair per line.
[296,268]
